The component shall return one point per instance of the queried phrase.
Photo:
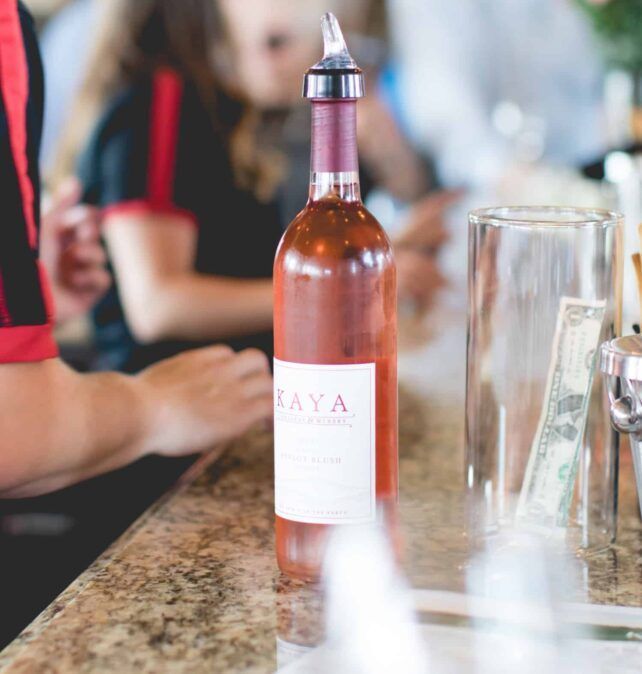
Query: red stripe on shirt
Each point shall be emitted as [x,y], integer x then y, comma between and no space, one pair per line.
[27,343]
[14,82]
[144,207]
[163,141]
[31,342]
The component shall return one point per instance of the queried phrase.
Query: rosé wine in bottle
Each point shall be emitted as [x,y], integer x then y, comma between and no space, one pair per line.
[335,331]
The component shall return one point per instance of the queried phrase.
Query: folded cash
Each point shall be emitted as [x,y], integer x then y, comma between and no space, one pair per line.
[547,489]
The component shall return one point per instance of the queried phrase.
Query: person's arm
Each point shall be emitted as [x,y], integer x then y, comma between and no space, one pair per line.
[143,180]
[164,298]
[58,427]
[387,154]
[425,228]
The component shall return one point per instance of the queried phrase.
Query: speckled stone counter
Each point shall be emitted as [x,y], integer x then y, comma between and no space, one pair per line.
[193,586]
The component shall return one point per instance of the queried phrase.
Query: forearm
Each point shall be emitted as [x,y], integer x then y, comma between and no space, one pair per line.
[59,427]
[198,307]
[164,298]
[389,158]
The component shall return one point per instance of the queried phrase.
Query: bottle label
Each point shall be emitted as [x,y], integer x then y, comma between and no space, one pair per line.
[325,442]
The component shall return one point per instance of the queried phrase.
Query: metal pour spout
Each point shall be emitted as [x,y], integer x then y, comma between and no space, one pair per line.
[337,75]
[336,54]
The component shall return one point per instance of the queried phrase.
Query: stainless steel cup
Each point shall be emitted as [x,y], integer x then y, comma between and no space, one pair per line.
[621,364]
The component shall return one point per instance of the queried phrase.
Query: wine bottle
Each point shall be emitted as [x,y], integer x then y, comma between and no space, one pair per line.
[335,331]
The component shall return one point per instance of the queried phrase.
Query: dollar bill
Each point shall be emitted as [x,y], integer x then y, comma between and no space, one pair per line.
[547,490]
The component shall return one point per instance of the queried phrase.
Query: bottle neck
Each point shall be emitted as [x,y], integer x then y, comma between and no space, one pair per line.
[335,161]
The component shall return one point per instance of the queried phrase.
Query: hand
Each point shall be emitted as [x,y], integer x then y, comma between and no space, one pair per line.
[202,398]
[418,277]
[72,254]
[425,229]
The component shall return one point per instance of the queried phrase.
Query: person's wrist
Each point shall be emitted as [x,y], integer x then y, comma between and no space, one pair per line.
[149,412]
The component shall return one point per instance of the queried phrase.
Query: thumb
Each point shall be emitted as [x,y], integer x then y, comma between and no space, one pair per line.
[440,201]
[67,196]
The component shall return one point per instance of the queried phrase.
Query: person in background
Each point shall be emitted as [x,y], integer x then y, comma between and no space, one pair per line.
[389,161]
[86,424]
[271,43]
[167,157]
[488,85]
[190,224]
[169,154]
[59,427]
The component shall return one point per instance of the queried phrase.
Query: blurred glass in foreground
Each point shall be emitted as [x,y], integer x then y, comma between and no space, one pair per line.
[370,621]
[527,581]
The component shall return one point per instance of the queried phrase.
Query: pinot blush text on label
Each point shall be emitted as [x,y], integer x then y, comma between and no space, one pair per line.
[325,443]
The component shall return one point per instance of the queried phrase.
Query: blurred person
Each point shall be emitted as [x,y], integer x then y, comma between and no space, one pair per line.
[272,78]
[168,157]
[190,222]
[169,409]
[175,164]
[486,86]
[271,43]
[268,63]
[59,427]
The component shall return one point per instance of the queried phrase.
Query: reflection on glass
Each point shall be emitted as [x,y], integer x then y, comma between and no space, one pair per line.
[361,618]
[517,589]
[300,620]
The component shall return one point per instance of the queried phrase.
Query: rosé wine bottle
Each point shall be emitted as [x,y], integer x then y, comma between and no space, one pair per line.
[335,331]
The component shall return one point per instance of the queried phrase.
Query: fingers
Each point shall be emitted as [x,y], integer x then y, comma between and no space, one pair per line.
[82,269]
[243,363]
[94,280]
[209,354]
[85,254]
[247,373]
[86,223]
[78,223]
[419,277]
[219,352]
[443,199]
[425,228]
[67,196]
[432,208]
[261,409]
[258,386]
[432,241]
[250,362]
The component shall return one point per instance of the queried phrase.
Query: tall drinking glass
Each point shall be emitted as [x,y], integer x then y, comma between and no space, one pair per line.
[544,293]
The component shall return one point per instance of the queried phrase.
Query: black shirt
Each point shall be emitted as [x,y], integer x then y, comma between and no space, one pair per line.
[156,150]
[25,302]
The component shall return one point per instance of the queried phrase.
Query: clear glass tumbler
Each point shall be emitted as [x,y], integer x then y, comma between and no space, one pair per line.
[545,289]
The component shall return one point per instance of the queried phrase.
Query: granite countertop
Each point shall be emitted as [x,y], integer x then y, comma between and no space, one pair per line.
[193,586]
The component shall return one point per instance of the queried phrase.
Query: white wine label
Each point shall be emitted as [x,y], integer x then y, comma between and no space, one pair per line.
[324,443]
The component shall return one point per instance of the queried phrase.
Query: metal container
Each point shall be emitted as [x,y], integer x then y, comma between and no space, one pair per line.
[621,363]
